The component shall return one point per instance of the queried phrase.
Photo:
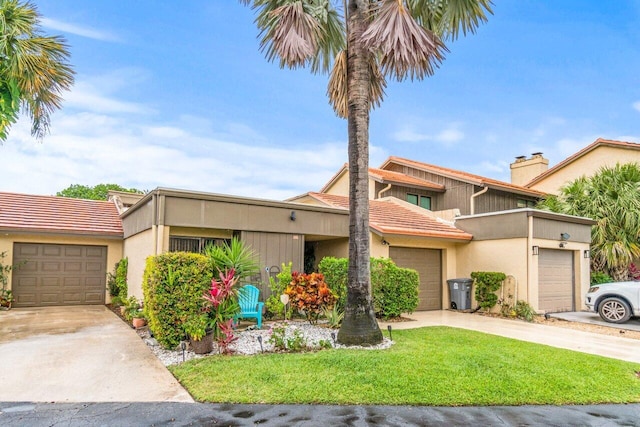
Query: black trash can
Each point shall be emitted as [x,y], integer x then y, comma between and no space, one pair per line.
[460,293]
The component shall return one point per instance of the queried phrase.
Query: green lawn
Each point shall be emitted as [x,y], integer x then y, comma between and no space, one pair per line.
[426,366]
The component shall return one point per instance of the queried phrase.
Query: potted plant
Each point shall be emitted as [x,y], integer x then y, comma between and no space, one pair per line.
[200,340]
[134,312]
[6,298]
[138,319]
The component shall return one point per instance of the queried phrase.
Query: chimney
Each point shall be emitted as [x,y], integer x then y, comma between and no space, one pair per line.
[524,170]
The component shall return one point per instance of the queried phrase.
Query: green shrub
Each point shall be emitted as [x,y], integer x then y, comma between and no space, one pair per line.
[277,286]
[335,274]
[242,258]
[174,284]
[117,281]
[394,289]
[525,311]
[598,277]
[487,283]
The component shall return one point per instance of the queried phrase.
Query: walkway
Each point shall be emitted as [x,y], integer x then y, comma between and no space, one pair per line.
[570,339]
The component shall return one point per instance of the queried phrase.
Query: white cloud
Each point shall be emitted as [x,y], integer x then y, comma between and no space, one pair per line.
[90,148]
[447,136]
[636,105]
[78,30]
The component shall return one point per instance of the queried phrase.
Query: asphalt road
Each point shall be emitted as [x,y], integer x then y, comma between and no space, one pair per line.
[199,414]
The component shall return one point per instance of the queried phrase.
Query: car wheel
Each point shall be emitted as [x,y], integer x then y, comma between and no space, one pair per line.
[614,310]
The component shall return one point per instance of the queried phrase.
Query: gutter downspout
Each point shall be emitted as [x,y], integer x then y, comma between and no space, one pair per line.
[384,190]
[529,258]
[473,197]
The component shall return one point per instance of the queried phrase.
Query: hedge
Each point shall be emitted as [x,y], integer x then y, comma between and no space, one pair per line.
[394,289]
[487,283]
[173,285]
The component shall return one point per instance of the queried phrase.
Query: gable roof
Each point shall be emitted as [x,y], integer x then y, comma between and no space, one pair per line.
[387,216]
[463,176]
[600,142]
[387,177]
[51,214]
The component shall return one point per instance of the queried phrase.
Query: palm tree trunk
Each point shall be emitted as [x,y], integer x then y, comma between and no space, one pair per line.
[359,326]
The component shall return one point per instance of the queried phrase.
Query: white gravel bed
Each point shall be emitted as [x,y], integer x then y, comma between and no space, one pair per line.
[248,343]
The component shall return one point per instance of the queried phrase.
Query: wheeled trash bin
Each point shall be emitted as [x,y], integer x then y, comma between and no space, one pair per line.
[460,293]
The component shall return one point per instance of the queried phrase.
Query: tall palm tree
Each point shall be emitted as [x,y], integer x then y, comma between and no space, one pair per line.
[612,198]
[362,42]
[34,68]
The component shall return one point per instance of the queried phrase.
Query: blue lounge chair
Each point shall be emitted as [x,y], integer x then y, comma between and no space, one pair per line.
[250,307]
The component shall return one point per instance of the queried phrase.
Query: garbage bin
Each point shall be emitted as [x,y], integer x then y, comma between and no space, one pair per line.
[460,293]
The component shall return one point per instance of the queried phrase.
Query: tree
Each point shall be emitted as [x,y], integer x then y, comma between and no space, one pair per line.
[34,68]
[99,192]
[361,46]
[611,198]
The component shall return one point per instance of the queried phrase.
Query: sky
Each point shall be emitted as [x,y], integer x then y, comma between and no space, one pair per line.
[179,95]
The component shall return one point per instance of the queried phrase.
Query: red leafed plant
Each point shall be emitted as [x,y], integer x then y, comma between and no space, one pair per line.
[310,293]
[634,272]
[223,305]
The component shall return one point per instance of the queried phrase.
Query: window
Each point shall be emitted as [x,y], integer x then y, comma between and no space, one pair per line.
[422,201]
[192,244]
[522,203]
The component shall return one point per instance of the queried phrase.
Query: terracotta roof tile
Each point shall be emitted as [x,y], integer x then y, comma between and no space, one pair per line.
[388,217]
[597,143]
[463,176]
[400,178]
[25,212]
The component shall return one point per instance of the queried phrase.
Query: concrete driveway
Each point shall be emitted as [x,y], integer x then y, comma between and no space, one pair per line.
[78,354]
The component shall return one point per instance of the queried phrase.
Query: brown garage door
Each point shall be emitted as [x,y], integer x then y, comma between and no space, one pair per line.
[555,280]
[427,262]
[58,274]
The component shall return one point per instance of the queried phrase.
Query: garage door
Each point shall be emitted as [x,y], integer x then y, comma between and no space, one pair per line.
[427,262]
[555,280]
[58,274]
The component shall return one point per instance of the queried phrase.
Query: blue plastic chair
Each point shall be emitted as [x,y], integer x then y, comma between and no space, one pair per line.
[250,307]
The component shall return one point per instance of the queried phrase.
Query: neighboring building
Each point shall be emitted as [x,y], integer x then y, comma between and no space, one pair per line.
[63,248]
[533,173]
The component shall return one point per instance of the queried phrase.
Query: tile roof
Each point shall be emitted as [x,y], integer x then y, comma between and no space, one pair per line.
[597,143]
[401,178]
[386,216]
[25,212]
[463,176]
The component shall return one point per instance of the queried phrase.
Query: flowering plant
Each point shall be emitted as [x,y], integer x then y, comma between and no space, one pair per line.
[311,294]
[221,306]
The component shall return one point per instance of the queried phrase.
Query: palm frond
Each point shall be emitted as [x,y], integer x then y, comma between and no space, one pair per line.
[449,18]
[406,48]
[337,87]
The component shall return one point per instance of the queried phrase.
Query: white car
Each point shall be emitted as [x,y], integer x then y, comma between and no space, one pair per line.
[615,302]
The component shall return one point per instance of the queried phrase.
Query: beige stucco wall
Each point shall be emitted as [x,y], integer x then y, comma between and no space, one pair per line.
[586,165]
[340,187]
[508,256]
[338,248]
[137,248]
[114,247]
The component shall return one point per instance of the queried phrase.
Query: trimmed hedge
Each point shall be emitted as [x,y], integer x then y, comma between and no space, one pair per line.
[173,285]
[394,289]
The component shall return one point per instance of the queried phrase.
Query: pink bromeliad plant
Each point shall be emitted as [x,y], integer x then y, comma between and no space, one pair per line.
[223,305]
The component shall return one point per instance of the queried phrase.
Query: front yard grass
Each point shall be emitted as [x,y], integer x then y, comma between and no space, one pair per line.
[437,366]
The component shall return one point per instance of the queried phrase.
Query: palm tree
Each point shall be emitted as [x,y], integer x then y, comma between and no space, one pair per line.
[362,42]
[34,68]
[612,198]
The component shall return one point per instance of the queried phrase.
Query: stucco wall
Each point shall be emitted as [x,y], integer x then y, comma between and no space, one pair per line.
[114,247]
[586,165]
[137,248]
[338,248]
[508,256]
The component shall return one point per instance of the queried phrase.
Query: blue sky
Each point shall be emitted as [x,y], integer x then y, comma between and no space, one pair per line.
[178,94]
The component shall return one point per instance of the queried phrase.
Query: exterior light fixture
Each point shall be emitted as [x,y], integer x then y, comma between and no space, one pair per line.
[259,338]
[565,236]
[333,337]
[183,346]
[587,253]
[535,250]
[384,242]
[292,217]
[389,329]
[562,244]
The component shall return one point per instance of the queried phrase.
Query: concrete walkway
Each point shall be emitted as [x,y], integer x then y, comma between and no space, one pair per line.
[570,339]
[632,324]
[78,354]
